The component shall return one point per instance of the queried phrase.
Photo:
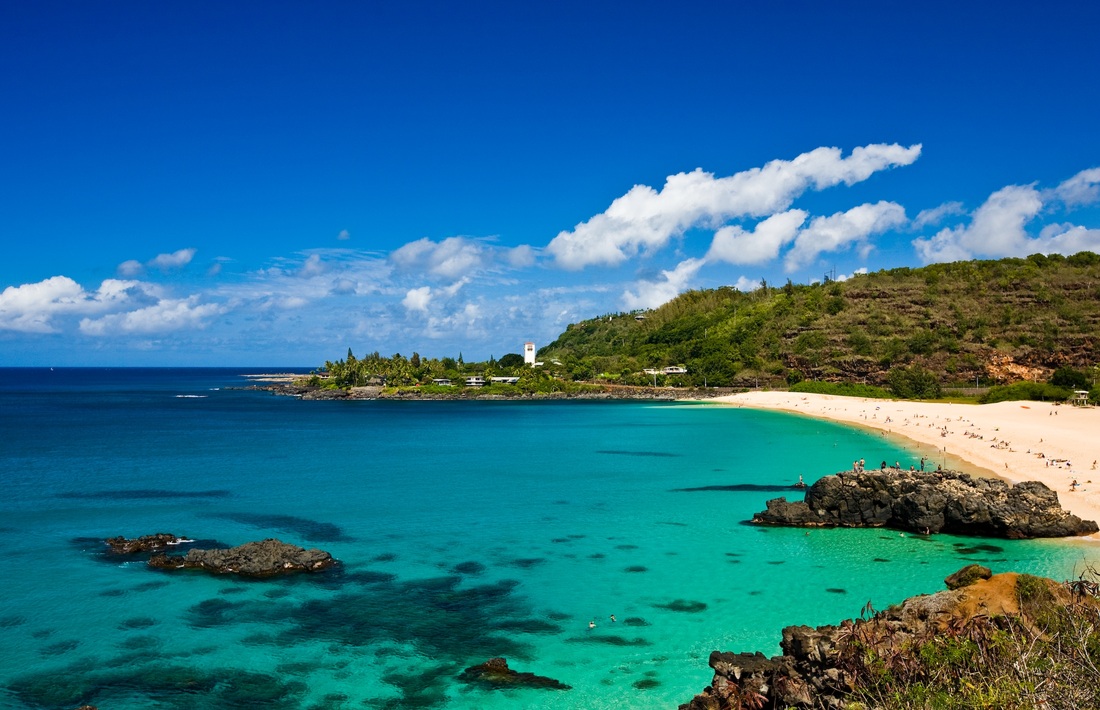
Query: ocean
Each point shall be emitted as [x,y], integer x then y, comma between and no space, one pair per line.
[466,531]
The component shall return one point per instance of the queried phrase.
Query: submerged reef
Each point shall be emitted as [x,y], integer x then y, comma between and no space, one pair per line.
[929,502]
[495,674]
[266,558]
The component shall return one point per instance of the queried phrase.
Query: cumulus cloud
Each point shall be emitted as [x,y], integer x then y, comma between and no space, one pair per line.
[645,219]
[174,260]
[746,285]
[130,267]
[1081,189]
[344,235]
[651,294]
[418,299]
[451,258]
[737,245]
[841,230]
[520,257]
[166,315]
[845,277]
[31,308]
[996,229]
[312,266]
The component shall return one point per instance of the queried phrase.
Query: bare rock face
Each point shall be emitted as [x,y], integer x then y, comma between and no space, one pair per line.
[967,576]
[266,558]
[927,502]
[146,543]
[496,674]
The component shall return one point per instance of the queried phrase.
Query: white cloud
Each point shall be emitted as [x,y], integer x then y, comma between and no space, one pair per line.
[746,285]
[845,277]
[645,219]
[451,258]
[130,267]
[166,315]
[935,215]
[31,308]
[418,299]
[1081,189]
[520,257]
[174,260]
[651,294]
[344,235]
[312,266]
[736,245]
[996,229]
[843,229]
[1067,239]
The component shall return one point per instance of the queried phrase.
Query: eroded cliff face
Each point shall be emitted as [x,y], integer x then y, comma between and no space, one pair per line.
[989,625]
[929,502]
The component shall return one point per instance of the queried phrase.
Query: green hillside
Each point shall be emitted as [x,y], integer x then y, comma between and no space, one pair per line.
[988,321]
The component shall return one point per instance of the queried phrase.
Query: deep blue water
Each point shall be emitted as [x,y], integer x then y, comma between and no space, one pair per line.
[466,530]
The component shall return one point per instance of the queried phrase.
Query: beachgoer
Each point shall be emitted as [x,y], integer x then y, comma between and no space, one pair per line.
[612,617]
[921,463]
[592,624]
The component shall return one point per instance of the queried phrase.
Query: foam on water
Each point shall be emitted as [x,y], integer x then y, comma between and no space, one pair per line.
[466,530]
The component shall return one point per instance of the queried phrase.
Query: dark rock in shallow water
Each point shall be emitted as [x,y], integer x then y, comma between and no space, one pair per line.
[927,502]
[146,543]
[253,559]
[496,674]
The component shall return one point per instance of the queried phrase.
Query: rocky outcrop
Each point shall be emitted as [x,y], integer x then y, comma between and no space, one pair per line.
[146,543]
[927,502]
[496,674]
[266,558]
[821,668]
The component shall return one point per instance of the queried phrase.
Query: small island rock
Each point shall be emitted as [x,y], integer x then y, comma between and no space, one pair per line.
[253,559]
[929,502]
[146,543]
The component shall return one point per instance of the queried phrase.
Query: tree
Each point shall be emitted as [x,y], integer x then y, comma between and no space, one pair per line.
[511,360]
[1070,379]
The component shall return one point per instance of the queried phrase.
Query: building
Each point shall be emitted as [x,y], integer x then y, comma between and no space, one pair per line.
[504,380]
[442,382]
[529,354]
[475,381]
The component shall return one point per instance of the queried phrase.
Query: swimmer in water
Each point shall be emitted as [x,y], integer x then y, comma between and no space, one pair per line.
[592,624]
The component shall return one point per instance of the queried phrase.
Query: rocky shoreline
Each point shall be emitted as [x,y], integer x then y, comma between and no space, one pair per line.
[840,666]
[927,503]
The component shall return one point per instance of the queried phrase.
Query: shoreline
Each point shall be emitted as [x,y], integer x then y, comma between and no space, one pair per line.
[1013,441]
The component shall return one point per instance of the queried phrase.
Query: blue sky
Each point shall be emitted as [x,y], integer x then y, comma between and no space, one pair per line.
[257,183]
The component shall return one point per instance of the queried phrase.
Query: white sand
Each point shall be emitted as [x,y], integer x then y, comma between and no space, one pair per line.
[1016,441]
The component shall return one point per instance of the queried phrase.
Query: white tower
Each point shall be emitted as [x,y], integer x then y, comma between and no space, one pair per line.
[529,353]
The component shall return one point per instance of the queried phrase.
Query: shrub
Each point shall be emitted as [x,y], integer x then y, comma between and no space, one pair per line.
[1033,391]
[914,383]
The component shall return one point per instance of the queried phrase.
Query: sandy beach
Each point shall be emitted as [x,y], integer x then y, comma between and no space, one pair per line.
[1016,441]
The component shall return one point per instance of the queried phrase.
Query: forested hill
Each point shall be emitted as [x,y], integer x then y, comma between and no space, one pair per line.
[998,321]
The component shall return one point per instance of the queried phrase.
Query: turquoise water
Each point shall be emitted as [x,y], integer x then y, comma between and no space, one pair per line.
[466,531]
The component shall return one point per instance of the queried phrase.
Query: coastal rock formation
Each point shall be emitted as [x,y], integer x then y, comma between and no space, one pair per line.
[829,667]
[146,543]
[253,559]
[495,674]
[943,501]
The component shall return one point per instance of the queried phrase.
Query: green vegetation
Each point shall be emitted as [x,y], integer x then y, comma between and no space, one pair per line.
[400,374]
[1033,391]
[914,330]
[1046,658]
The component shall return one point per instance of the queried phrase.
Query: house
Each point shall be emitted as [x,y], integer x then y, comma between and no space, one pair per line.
[475,381]
[675,370]
[504,380]
[442,382]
